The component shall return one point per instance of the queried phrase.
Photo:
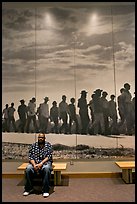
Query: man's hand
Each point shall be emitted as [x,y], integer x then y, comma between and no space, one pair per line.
[36,168]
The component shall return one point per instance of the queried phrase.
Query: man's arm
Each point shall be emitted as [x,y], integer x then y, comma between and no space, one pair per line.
[32,162]
[36,166]
[42,162]
[48,156]
[31,157]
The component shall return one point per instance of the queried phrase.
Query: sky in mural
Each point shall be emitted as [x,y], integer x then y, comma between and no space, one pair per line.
[57,50]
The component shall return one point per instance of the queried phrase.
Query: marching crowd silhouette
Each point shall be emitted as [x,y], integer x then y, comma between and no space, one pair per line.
[100,115]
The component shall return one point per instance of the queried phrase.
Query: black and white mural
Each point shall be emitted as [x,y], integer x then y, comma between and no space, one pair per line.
[48,52]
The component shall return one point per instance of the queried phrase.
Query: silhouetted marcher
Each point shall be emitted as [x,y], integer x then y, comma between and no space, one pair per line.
[83,112]
[54,117]
[133,112]
[113,115]
[44,115]
[5,117]
[22,112]
[104,102]
[31,115]
[128,109]
[121,107]
[98,124]
[91,107]
[38,114]
[63,114]
[11,118]
[73,116]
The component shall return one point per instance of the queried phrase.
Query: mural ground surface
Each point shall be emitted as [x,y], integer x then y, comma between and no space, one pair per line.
[16,146]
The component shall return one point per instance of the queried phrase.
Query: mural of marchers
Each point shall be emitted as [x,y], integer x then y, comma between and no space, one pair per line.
[66,68]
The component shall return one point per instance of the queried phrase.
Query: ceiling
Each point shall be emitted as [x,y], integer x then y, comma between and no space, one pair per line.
[62,4]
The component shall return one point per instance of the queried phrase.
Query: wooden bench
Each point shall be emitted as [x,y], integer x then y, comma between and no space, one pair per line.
[57,168]
[127,167]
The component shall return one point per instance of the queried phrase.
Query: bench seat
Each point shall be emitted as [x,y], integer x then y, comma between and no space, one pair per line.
[127,170]
[57,168]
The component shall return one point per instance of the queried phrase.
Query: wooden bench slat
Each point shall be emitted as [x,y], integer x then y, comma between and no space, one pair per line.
[56,166]
[59,166]
[22,166]
[126,165]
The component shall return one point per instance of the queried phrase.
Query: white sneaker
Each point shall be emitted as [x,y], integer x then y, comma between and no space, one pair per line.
[45,194]
[26,193]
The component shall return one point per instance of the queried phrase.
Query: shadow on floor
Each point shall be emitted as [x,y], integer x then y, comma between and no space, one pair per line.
[38,181]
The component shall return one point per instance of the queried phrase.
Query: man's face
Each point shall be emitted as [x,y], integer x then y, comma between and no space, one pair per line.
[41,138]
[64,98]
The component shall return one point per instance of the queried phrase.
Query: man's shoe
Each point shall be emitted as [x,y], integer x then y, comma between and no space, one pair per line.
[26,193]
[45,195]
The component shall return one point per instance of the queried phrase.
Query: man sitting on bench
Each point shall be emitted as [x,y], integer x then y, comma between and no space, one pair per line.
[40,162]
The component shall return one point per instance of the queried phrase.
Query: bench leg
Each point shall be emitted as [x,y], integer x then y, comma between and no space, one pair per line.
[57,177]
[127,175]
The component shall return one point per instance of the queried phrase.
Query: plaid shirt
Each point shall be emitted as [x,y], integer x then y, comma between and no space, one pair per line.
[37,153]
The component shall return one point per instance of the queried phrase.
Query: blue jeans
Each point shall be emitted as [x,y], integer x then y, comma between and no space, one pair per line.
[45,173]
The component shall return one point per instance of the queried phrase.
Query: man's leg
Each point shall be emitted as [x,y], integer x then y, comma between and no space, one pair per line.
[29,174]
[28,124]
[46,174]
